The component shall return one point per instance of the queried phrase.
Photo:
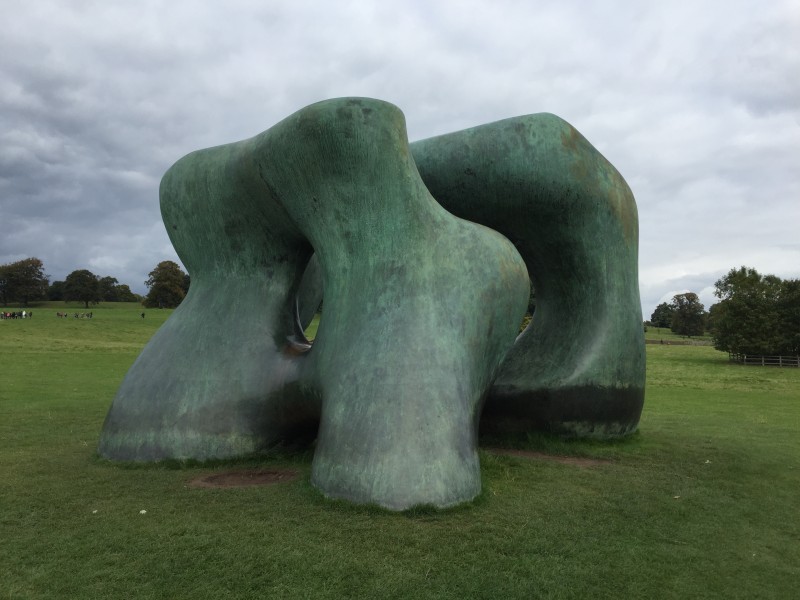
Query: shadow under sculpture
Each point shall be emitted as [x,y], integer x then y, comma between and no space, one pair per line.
[423,307]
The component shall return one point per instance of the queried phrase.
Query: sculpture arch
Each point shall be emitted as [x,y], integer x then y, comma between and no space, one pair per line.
[423,296]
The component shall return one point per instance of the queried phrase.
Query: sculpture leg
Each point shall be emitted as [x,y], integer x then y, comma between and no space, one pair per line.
[219,378]
[420,308]
[579,368]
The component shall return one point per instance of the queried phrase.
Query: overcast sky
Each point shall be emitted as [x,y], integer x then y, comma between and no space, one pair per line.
[697,104]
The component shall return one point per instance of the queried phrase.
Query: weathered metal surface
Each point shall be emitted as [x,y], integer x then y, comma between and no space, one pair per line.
[579,368]
[421,306]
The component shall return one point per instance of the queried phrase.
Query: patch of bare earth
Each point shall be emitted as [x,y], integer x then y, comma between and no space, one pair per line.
[231,479]
[575,461]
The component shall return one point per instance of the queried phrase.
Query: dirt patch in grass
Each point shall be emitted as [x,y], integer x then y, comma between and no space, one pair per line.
[575,461]
[231,479]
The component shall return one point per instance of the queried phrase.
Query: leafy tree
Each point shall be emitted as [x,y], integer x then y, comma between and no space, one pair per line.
[789,314]
[124,294]
[108,288]
[662,315]
[5,287]
[113,291]
[23,281]
[747,320]
[82,286]
[167,286]
[56,291]
[688,315]
[713,317]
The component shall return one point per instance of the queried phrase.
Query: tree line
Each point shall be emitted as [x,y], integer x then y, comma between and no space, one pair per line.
[25,281]
[757,314]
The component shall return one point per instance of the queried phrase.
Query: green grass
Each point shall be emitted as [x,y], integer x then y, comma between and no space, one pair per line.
[311,330]
[666,334]
[700,503]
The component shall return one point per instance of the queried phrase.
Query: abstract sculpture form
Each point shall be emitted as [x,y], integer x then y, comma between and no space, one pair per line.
[579,368]
[423,252]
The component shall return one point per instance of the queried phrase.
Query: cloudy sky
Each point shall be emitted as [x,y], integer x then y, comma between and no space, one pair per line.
[697,103]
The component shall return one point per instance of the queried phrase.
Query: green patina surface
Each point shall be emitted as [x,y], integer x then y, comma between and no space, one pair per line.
[579,368]
[421,306]
[216,379]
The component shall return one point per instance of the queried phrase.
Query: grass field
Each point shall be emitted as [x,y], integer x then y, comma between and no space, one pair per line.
[664,333]
[701,503]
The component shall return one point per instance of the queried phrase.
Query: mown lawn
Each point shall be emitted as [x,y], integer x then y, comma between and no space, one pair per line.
[666,334]
[700,503]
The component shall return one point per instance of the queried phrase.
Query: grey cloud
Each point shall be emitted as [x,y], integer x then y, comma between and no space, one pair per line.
[697,104]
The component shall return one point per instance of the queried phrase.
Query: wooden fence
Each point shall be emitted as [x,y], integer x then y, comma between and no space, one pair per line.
[766,361]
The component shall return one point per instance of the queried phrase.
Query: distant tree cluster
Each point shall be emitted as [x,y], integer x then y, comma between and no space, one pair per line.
[84,286]
[23,281]
[685,315]
[756,314]
[688,315]
[168,286]
[662,316]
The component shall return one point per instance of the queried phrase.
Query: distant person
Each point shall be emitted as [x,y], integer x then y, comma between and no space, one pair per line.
[143,315]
